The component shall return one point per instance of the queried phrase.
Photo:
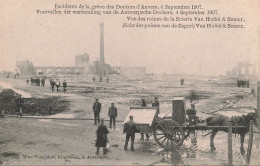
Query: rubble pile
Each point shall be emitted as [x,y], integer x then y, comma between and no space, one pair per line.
[44,106]
[31,106]
[7,101]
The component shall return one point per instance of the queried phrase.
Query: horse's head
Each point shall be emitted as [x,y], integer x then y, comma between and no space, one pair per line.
[250,116]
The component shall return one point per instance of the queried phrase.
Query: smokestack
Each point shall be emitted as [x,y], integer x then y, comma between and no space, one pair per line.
[102,58]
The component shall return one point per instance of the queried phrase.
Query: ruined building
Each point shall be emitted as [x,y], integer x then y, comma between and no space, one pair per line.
[242,70]
[26,67]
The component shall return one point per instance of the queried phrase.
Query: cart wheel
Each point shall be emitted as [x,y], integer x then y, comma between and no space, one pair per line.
[186,133]
[168,134]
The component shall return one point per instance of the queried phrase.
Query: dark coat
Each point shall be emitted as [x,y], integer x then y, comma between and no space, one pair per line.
[156,104]
[112,112]
[19,104]
[65,84]
[102,132]
[96,107]
[129,128]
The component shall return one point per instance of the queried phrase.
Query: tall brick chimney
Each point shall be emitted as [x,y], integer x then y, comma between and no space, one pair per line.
[102,57]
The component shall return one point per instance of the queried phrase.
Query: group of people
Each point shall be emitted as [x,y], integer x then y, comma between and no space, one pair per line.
[129,126]
[112,113]
[36,81]
[100,79]
[56,83]
[243,83]
[53,83]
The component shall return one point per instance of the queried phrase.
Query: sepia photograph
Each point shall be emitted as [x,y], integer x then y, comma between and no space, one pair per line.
[129,82]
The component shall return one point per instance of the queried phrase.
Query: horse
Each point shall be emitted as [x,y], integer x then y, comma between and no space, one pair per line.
[35,81]
[220,120]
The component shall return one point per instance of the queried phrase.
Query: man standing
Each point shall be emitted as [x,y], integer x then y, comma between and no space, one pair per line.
[112,113]
[64,85]
[27,81]
[52,84]
[143,103]
[156,104]
[142,135]
[129,129]
[43,82]
[19,106]
[182,81]
[96,109]
[57,84]
[101,140]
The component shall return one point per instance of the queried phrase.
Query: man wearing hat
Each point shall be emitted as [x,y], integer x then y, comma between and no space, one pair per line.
[142,135]
[191,112]
[101,140]
[129,130]
[96,109]
[19,106]
[143,103]
[156,104]
[112,113]
[64,85]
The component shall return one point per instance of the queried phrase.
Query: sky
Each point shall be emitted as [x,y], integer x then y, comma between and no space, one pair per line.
[54,40]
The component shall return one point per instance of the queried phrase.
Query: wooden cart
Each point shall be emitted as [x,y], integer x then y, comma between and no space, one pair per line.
[169,131]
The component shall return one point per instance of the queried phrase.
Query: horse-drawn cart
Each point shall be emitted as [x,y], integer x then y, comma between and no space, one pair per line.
[170,131]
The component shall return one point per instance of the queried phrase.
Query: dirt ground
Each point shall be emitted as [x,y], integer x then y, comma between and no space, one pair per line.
[33,141]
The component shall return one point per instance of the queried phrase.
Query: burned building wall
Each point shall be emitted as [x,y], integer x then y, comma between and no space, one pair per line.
[26,67]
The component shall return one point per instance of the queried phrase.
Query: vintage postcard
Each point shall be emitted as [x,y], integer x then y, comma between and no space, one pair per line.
[129,82]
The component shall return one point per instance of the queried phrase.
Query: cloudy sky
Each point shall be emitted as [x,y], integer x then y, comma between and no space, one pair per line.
[54,40]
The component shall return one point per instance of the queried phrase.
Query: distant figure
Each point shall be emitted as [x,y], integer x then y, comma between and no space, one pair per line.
[19,106]
[101,140]
[7,76]
[143,103]
[96,109]
[112,113]
[191,112]
[27,81]
[94,79]
[107,79]
[100,79]
[142,135]
[156,104]
[50,110]
[64,85]
[43,82]
[37,81]
[57,83]
[129,129]
[248,83]
[253,91]
[52,85]
[182,81]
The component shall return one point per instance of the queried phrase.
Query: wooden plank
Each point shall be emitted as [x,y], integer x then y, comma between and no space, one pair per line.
[250,143]
[230,155]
